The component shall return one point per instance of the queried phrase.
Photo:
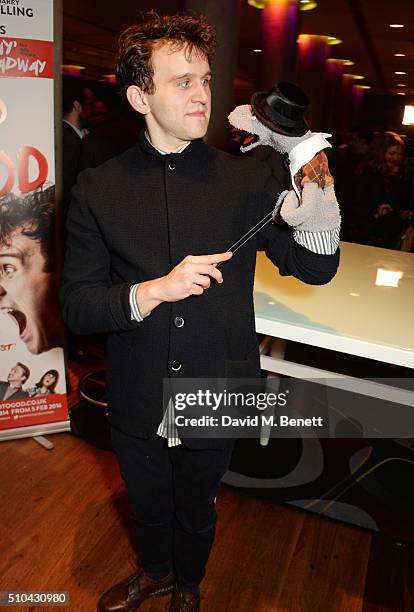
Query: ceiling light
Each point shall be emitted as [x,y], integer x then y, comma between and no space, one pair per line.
[330,40]
[307,5]
[408,118]
[396,25]
[401,85]
[260,4]
[72,69]
[400,93]
[363,86]
[399,72]
[304,5]
[333,40]
[356,77]
[73,66]
[336,60]
[399,54]
[257,50]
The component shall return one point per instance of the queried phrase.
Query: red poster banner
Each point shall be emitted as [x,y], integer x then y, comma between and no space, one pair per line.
[32,366]
[22,57]
[38,410]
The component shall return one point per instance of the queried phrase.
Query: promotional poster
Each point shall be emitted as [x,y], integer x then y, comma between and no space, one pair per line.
[32,371]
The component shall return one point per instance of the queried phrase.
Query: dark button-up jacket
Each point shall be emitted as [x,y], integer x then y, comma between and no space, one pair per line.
[136,217]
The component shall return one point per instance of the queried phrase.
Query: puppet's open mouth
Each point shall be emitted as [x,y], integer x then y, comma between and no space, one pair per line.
[249,139]
[243,138]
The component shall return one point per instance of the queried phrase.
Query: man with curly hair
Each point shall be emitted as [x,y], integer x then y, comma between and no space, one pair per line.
[28,280]
[146,231]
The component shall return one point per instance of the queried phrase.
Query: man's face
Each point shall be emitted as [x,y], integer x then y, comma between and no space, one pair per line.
[25,289]
[16,376]
[180,107]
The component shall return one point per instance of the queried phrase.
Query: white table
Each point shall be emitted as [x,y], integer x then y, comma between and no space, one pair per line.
[352,314]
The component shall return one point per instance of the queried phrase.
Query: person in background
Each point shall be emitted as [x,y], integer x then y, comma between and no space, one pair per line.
[380,195]
[13,387]
[345,162]
[78,107]
[78,104]
[46,385]
[112,137]
[406,241]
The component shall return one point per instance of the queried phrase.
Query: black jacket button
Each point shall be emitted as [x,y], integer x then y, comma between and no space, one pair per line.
[171,165]
[176,366]
[178,321]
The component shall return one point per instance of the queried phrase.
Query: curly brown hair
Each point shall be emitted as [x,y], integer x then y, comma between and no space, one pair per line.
[33,214]
[136,44]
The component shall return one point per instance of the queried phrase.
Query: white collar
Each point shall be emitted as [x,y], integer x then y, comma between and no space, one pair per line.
[76,129]
[180,150]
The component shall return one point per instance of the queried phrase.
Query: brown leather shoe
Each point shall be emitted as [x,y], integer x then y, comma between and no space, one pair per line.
[128,594]
[182,601]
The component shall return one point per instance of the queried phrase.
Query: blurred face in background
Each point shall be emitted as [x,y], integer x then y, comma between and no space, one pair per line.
[393,158]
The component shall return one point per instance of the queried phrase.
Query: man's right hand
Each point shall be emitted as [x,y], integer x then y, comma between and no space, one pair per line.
[192,276]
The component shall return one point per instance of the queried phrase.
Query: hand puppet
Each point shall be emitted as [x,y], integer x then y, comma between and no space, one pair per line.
[276,119]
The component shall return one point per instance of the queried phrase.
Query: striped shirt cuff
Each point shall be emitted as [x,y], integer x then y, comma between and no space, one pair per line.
[323,243]
[133,302]
[167,428]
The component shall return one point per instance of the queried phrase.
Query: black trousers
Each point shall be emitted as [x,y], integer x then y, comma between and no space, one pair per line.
[172,494]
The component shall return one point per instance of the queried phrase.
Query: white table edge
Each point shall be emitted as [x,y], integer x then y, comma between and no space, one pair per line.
[342,344]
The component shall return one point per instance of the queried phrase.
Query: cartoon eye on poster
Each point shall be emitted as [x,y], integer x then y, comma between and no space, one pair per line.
[32,371]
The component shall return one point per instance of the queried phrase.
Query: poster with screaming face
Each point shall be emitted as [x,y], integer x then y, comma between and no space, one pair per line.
[32,374]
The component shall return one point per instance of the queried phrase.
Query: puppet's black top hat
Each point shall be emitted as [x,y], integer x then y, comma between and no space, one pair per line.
[282,109]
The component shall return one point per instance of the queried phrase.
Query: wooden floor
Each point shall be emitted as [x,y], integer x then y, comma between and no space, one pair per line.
[65,526]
